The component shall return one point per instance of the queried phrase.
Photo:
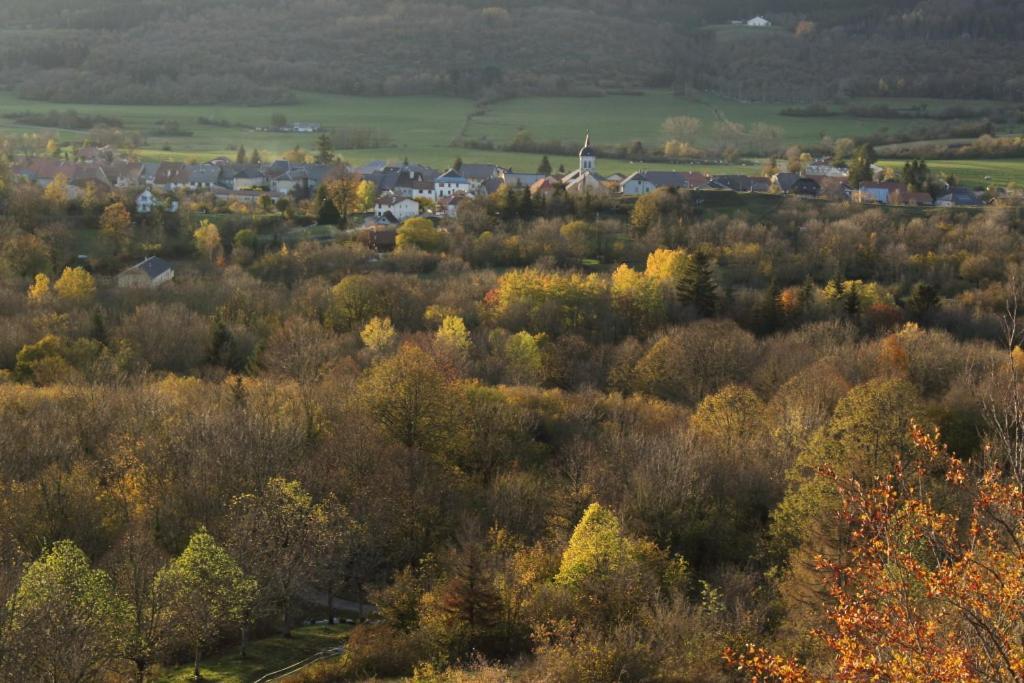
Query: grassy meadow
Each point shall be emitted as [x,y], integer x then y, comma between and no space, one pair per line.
[423,128]
[263,656]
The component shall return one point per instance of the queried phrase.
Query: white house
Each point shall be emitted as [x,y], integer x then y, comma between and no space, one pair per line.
[450,182]
[401,208]
[759,22]
[145,202]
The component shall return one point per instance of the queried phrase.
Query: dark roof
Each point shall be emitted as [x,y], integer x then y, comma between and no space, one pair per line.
[153,267]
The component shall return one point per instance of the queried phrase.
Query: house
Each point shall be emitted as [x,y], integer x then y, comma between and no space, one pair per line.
[794,183]
[450,205]
[545,187]
[520,179]
[248,178]
[449,183]
[918,199]
[305,127]
[145,202]
[398,206]
[645,182]
[414,185]
[836,189]
[150,273]
[882,193]
[492,185]
[203,176]
[758,22]
[477,174]
[959,196]
[249,197]
[740,183]
[826,170]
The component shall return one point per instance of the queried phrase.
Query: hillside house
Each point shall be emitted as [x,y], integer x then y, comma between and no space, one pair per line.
[150,273]
[758,22]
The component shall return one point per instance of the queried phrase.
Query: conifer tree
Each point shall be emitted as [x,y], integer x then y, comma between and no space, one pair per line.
[697,286]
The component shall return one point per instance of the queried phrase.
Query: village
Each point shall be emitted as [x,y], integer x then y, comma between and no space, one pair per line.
[409,189]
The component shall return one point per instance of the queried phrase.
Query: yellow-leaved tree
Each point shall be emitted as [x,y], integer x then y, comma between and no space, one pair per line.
[76,286]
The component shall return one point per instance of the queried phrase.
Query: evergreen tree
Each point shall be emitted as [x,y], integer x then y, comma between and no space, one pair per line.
[923,301]
[254,158]
[324,149]
[851,302]
[696,286]
[457,164]
[916,175]
[240,157]
[545,166]
[326,212]
[526,209]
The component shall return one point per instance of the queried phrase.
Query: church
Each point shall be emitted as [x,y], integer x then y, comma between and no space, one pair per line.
[585,179]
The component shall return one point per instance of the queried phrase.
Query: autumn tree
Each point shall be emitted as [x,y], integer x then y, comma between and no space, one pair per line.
[276,536]
[343,192]
[421,234]
[136,562]
[116,227]
[66,623]
[928,591]
[75,286]
[378,335]
[57,191]
[409,396]
[208,242]
[207,591]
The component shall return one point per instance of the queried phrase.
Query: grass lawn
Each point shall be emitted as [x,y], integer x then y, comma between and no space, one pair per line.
[264,656]
[976,172]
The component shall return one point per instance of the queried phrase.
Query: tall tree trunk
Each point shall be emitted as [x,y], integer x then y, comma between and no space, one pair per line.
[196,675]
[244,641]
[330,604]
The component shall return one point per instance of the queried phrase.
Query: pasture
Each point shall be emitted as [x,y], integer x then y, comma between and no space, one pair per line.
[422,129]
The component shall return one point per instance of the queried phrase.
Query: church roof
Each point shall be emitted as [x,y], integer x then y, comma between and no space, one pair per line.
[587,150]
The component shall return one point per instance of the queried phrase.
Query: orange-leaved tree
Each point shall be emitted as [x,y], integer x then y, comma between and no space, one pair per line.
[933,589]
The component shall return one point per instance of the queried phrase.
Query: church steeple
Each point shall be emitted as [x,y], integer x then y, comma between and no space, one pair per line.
[588,157]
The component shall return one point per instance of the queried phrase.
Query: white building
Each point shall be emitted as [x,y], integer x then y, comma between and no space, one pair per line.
[759,22]
[401,208]
[145,202]
[449,183]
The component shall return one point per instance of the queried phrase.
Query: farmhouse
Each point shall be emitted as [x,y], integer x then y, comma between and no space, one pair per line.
[959,196]
[150,273]
[398,206]
[644,182]
[882,193]
[758,22]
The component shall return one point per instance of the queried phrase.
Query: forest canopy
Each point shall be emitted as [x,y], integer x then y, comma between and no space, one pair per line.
[127,51]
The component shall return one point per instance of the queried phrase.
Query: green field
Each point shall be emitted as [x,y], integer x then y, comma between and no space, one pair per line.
[423,128]
[263,656]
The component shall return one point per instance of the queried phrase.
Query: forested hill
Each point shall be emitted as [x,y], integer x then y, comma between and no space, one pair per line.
[260,51]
